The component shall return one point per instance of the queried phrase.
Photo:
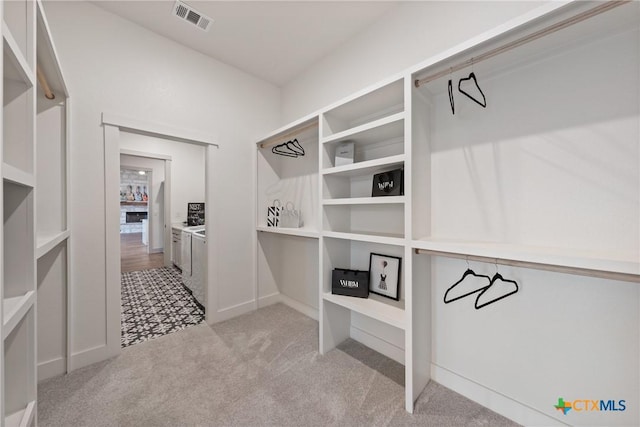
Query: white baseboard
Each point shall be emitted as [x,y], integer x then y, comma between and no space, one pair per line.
[271,299]
[497,402]
[231,312]
[298,306]
[89,357]
[156,250]
[52,368]
[377,344]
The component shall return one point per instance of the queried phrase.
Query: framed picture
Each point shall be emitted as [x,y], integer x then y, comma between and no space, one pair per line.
[384,275]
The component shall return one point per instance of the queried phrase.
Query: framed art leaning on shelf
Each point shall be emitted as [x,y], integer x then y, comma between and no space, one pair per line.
[384,275]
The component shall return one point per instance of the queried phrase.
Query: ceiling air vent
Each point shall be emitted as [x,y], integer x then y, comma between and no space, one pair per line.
[189,14]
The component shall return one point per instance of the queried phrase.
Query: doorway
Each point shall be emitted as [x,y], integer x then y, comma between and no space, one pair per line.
[116,133]
[142,211]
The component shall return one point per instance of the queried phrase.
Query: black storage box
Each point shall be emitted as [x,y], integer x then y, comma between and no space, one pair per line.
[352,283]
[389,183]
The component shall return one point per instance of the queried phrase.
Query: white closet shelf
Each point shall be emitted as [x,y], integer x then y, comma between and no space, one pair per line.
[369,133]
[21,418]
[581,262]
[19,69]
[385,200]
[367,167]
[367,236]
[300,232]
[14,309]
[364,106]
[45,242]
[391,313]
[17,176]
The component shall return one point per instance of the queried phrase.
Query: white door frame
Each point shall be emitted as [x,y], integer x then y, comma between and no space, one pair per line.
[167,198]
[112,125]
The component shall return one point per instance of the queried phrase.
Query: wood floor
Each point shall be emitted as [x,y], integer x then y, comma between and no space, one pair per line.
[134,256]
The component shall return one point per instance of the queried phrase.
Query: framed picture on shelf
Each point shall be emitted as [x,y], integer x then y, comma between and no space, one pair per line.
[384,275]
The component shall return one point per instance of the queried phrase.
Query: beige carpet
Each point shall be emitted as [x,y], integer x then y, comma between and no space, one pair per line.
[259,369]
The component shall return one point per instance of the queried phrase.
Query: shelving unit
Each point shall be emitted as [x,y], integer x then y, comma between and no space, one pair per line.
[34,200]
[18,290]
[559,193]
[286,255]
[356,224]
[52,240]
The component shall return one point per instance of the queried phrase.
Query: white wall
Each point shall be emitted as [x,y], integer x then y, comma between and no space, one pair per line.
[408,35]
[114,66]
[156,196]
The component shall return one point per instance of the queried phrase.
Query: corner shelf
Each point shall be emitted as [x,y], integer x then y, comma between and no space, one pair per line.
[370,133]
[21,70]
[367,237]
[299,232]
[47,241]
[580,262]
[17,176]
[14,309]
[366,167]
[391,313]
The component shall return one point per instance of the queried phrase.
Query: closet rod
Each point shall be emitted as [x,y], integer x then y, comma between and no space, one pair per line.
[625,277]
[279,138]
[523,40]
[42,79]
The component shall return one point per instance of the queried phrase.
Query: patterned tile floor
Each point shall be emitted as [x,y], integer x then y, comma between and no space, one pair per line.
[155,303]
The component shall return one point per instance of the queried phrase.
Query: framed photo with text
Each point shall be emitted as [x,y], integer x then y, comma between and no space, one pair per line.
[384,275]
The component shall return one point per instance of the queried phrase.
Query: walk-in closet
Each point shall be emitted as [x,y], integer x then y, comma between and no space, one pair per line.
[518,216]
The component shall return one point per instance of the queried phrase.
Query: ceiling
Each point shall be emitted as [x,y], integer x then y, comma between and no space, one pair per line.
[272,40]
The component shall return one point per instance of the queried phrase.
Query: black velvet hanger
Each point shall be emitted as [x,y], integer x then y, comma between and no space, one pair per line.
[472,76]
[289,149]
[453,108]
[467,273]
[295,147]
[284,150]
[495,278]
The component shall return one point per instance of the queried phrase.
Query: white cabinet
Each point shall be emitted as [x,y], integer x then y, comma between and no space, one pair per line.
[176,247]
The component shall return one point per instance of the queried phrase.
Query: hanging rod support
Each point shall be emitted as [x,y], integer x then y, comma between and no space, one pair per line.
[42,79]
[277,139]
[523,40]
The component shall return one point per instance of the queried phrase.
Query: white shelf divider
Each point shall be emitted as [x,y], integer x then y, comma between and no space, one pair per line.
[367,237]
[391,313]
[16,57]
[47,241]
[370,132]
[22,418]
[544,258]
[299,232]
[17,176]
[386,200]
[14,309]
[369,166]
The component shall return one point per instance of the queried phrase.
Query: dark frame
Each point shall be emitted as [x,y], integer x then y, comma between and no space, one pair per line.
[374,284]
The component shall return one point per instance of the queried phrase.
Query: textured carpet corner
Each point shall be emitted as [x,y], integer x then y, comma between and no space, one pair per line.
[262,368]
